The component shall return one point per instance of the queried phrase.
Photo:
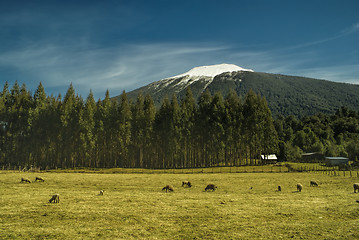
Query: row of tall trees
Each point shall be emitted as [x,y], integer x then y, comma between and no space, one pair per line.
[65,132]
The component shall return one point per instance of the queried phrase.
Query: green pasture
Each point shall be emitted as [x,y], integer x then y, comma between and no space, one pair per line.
[245,206]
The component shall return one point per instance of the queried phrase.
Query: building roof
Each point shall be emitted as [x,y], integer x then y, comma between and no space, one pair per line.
[336,158]
[269,157]
[311,154]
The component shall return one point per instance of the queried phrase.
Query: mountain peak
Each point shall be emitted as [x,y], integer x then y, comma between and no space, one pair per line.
[212,70]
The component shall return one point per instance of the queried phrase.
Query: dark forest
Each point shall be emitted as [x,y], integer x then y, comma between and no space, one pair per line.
[68,132]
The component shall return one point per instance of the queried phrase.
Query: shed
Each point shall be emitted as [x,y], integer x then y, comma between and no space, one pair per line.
[336,161]
[312,157]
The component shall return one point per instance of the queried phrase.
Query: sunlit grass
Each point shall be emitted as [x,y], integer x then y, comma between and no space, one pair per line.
[239,169]
[134,207]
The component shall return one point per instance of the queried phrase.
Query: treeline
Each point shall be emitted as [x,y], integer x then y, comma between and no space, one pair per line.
[66,132]
[54,132]
[331,135]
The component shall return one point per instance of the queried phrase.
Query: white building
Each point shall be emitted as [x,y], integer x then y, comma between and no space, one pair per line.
[269,158]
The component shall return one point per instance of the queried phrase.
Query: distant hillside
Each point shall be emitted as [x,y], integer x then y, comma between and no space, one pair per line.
[287,95]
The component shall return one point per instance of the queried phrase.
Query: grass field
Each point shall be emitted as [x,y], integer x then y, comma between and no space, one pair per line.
[134,207]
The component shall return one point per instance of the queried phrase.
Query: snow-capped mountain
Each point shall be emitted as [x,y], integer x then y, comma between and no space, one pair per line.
[212,70]
[286,95]
[204,74]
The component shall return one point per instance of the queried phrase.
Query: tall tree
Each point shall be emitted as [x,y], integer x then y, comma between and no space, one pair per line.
[162,129]
[4,122]
[103,131]
[39,134]
[87,133]
[148,121]
[138,132]
[124,125]
[216,129]
[232,120]
[70,115]
[258,127]
[19,112]
[187,116]
[202,123]
[175,133]
[269,142]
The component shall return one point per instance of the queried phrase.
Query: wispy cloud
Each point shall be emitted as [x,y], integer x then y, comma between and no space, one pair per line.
[117,68]
[345,32]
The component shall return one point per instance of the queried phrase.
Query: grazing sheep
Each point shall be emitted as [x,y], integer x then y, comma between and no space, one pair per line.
[39,179]
[211,187]
[168,188]
[279,188]
[101,192]
[25,180]
[299,187]
[356,187]
[313,184]
[55,198]
[186,183]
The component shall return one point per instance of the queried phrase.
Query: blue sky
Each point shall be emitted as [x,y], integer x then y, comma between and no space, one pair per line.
[123,45]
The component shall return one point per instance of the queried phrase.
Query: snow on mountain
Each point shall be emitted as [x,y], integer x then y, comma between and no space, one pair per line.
[203,73]
[212,70]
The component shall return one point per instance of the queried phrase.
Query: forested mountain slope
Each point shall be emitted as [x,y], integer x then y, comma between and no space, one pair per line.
[286,95]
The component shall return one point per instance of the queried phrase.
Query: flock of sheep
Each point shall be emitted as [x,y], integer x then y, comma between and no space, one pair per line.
[169,188]
[40,179]
[55,198]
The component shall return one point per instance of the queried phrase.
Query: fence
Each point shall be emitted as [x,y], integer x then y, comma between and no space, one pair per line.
[340,173]
[276,168]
